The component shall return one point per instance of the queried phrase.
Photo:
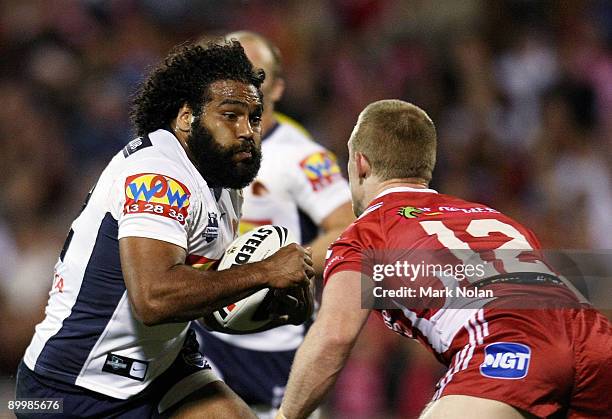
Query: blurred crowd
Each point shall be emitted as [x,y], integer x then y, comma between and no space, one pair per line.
[520,91]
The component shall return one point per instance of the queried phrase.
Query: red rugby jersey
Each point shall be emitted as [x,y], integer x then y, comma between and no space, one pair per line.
[444,235]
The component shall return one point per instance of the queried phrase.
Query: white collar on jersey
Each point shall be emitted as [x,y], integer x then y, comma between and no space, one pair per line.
[404,189]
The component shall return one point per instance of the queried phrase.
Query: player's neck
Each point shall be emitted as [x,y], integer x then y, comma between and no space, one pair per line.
[373,187]
[414,183]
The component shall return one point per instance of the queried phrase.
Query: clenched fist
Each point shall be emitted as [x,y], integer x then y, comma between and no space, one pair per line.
[290,266]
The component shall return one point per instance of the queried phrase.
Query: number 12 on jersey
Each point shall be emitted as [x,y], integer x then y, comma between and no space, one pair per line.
[506,255]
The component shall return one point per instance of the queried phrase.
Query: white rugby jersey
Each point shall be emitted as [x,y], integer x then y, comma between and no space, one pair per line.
[298,185]
[90,336]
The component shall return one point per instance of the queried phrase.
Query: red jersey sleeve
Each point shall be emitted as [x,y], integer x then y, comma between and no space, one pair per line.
[343,255]
[347,252]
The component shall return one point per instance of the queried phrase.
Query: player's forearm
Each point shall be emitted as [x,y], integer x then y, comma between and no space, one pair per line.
[184,293]
[332,226]
[319,248]
[315,370]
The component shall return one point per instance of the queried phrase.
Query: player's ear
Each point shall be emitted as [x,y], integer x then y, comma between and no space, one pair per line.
[278,88]
[184,118]
[364,168]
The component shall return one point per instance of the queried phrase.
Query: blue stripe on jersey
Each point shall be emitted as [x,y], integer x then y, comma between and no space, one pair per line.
[308,228]
[65,353]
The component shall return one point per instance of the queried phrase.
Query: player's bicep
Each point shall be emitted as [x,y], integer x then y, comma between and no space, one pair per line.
[341,314]
[145,262]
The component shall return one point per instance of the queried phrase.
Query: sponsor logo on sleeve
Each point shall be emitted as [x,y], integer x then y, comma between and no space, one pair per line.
[506,360]
[125,367]
[321,169]
[151,193]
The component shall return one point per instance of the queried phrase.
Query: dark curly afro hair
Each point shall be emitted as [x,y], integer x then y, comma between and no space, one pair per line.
[184,77]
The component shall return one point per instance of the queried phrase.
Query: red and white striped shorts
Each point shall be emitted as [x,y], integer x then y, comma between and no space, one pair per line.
[541,361]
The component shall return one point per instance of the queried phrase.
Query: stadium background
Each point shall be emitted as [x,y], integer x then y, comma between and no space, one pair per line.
[521,92]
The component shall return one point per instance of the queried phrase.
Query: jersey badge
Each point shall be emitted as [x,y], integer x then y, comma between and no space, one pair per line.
[506,360]
[413,212]
[157,195]
[125,367]
[321,169]
[135,145]
[211,231]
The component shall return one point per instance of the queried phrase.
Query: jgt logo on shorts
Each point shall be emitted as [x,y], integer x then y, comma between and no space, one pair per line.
[506,360]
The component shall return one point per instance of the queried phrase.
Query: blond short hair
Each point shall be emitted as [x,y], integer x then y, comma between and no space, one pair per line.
[398,138]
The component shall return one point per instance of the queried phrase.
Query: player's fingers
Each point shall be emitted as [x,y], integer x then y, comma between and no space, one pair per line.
[303,279]
[309,271]
[308,260]
[292,247]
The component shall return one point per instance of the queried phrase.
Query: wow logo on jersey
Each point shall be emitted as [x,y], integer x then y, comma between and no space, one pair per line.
[156,194]
[321,169]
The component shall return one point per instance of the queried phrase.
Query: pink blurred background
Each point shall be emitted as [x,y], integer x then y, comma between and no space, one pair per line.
[520,91]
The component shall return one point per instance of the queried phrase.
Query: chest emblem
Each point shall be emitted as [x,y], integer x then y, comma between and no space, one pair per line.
[413,212]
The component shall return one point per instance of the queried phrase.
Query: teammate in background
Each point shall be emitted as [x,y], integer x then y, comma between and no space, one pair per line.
[503,362]
[300,187]
[116,337]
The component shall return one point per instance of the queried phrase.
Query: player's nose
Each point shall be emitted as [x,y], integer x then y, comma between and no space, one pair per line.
[245,130]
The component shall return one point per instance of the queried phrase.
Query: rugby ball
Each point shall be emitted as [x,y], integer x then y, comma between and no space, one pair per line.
[249,314]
